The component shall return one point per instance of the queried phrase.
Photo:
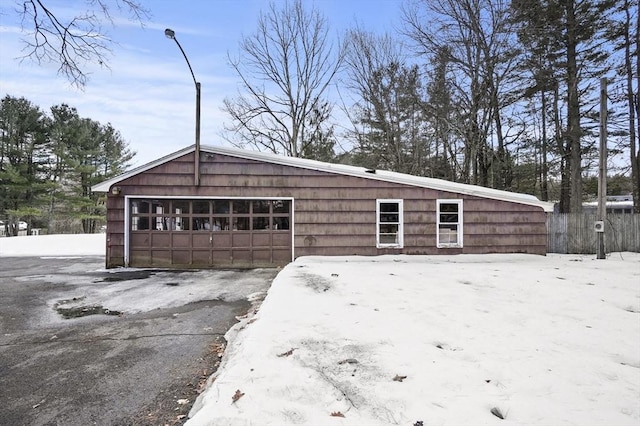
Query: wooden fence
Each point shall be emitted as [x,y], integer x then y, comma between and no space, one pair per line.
[574,233]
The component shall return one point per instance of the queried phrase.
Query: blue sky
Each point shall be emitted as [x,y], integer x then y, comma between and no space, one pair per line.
[148,94]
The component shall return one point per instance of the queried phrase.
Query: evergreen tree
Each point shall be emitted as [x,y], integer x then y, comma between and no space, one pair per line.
[85,154]
[23,177]
[48,166]
[624,35]
[564,39]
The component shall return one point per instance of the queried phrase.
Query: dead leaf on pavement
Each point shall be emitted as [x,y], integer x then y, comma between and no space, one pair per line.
[287,353]
[337,414]
[237,396]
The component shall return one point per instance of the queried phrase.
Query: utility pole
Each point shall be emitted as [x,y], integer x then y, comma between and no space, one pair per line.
[602,172]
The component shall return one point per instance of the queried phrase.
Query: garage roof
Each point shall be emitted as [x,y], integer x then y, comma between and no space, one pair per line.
[342,169]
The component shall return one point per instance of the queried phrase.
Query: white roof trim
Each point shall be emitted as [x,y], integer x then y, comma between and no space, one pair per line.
[343,169]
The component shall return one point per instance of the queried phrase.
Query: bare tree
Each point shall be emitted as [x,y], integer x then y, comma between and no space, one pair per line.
[388,115]
[76,41]
[285,69]
[477,38]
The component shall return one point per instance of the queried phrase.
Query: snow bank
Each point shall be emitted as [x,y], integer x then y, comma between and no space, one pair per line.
[438,339]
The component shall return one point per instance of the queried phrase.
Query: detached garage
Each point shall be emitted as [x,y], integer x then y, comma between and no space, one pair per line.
[251,209]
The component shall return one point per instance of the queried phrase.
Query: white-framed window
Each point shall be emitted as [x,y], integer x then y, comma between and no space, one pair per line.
[449,218]
[389,224]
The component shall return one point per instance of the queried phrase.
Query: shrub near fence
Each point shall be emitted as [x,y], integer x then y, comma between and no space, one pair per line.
[574,233]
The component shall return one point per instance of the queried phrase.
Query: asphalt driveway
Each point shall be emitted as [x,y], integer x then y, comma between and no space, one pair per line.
[80,345]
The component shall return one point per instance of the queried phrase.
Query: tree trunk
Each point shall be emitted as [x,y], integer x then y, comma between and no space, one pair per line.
[563,150]
[501,170]
[634,157]
[573,113]
[544,189]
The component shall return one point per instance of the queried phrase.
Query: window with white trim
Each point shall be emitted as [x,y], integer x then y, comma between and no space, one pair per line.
[449,217]
[389,224]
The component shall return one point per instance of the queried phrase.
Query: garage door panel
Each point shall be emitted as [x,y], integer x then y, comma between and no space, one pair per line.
[241,239]
[221,256]
[181,239]
[201,257]
[181,257]
[161,257]
[201,240]
[221,240]
[140,257]
[262,256]
[160,239]
[261,240]
[241,257]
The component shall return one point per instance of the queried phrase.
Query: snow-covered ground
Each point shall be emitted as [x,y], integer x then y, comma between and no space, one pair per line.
[54,245]
[432,339]
[440,340]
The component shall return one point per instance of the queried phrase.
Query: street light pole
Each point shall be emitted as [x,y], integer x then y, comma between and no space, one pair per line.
[196,178]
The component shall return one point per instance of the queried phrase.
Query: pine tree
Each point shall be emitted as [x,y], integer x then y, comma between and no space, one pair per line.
[23,178]
[564,39]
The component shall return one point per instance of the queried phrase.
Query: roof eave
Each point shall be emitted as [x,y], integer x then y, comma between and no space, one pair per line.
[107,184]
[386,176]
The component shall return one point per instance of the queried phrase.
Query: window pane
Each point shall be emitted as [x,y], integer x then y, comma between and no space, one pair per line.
[160,206]
[281,223]
[174,223]
[280,206]
[389,207]
[220,224]
[139,223]
[181,223]
[200,207]
[180,207]
[161,223]
[241,224]
[388,228]
[221,207]
[449,207]
[449,217]
[240,206]
[140,206]
[260,223]
[261,206]
[449,226]
[448,234]
[388,238]
[386,217]
[201,224]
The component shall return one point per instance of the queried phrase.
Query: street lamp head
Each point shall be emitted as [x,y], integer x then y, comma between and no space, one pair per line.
[170,33]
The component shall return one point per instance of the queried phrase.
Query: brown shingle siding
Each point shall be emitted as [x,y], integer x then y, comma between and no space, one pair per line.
[334,214]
